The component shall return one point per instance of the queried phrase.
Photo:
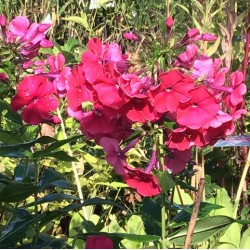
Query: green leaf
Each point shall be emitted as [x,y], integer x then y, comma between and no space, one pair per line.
[204,229]
[53,197]
[185,214]
[214,47]
[51,177]
[89,202]
[182,197]
[16,191]
[166,182]
[63,8]
[61,156]
[151,214]
[231,236]
[183,7]
[198,5]
[196,23]
[55,145]
[185,186]
[134,225]
[210,5]
[120,236]
[222,198]
[114,184]
[13,116]
[15,231]
[71,44]
[10,137]
[245,240]
[80,20]
[47,242]
[18,150]
[21,175]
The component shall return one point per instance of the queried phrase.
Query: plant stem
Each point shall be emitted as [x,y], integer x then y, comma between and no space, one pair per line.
[163,205]
[163,222]
[168,9]
[239,191]
[36,206]
[194,216]
[77,180]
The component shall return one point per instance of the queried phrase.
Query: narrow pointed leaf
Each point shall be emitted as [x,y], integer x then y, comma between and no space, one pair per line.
[16,191]
[204,229]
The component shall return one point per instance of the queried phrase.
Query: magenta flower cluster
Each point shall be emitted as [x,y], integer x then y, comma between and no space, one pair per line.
[108,100]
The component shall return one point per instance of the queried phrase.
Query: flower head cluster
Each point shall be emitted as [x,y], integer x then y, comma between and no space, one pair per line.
[27,38]
[109,99]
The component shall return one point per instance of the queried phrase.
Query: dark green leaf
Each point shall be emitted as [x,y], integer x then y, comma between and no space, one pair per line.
[18,150]
[16,191]
[47,242]
[19,172]
[13,116]
[184,185]
[90,202]
[15,231]
[185,214]
[51,177]
[55,145]
[53,197]
[61,156]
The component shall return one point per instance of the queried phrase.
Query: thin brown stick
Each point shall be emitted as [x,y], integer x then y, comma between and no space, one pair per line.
[194,216]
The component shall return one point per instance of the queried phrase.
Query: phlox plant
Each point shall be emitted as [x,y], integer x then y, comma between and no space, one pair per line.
[186,100]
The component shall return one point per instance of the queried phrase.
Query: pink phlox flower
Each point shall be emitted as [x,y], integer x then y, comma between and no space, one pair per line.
[219,128]
[131,36]
[3,23]
[115,156]
[30,38]
[98,121]
[205,37]
[186,59]
[169,22]
[238,91]
[139,110]
[145,184]
[191,34]
[174,88]
[35,95]
[102,59]
[79,90]
[184,138]
[4,77]
[99,242]
[200,109]
[177,160]
[109,93]
[219,119]
[202,66]
[133,86]
[59,73]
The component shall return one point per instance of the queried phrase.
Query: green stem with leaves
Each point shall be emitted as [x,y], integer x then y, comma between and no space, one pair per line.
[77,179]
